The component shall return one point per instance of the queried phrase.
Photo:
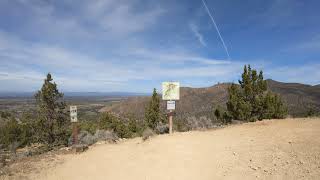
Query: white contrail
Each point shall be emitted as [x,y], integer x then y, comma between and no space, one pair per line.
[215,25]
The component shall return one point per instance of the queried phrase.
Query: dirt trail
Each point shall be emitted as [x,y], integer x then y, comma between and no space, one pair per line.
[275,149]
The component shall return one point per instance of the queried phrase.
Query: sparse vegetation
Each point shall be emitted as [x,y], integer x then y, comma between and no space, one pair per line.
[122,127]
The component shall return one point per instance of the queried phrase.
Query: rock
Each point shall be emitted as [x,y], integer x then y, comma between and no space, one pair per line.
[236,122]
[104,135]
[24,154]
[253,168]
[86,138]
[79,148]
[65,149]
[147,133]
[162,128]
[234,153]
[308,171]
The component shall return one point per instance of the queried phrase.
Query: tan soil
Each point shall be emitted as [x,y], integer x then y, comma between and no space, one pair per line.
[274,149]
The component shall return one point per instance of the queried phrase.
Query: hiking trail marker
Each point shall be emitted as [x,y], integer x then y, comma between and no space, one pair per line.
[74,121]
[170,93]
[73,114]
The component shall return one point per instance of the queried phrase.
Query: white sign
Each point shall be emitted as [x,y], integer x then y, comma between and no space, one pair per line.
[73,113]
[171,105]
[170,90]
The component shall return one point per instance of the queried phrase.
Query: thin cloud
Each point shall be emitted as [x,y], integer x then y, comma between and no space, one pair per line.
[79,70]
[196,32]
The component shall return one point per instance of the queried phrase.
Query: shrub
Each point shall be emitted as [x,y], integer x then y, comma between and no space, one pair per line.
[10,134]
[222,116]
[135,127]
[90,126]
[15,133]
[115,124]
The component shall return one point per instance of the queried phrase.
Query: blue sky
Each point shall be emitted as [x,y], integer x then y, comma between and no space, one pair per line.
[134,45]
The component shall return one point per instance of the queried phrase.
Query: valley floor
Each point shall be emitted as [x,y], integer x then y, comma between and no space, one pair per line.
[269,149]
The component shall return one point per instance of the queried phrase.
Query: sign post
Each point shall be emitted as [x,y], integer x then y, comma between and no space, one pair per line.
[74,121]
[170,93]
[171,106]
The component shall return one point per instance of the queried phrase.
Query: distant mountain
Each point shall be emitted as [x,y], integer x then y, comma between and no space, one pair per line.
[198,103]
[72,94]
[300,98]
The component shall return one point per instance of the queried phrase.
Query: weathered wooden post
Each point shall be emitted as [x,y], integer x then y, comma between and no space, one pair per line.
[74,121]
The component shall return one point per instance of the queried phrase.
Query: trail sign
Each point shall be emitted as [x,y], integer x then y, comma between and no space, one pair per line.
[73,114]
[171,105]
[170,90]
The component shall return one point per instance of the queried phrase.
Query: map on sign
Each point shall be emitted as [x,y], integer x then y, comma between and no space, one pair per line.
[170,90]
[171,105]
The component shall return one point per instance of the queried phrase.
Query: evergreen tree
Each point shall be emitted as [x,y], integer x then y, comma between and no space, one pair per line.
[52,118]
[249,101]
[152,112]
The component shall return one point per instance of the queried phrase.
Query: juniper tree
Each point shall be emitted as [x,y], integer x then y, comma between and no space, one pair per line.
[152,111]
[251,100]
[52,118]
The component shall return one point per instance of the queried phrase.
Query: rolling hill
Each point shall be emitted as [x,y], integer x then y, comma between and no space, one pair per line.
[196,104]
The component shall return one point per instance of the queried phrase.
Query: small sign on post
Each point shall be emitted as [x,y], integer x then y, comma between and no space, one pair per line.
[74,120]
[171,105]
[170,93]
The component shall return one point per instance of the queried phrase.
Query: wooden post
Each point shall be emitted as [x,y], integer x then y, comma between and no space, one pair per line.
[170,121]
[75,133]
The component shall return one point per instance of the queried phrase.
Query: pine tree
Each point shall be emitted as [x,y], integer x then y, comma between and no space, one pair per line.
[52,118]
[152,112]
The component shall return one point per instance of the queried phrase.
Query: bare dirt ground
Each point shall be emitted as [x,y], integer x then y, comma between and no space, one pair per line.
[270,149]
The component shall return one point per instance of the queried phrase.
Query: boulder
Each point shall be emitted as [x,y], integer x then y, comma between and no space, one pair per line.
[162,128]
[147,133]
[104,135]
